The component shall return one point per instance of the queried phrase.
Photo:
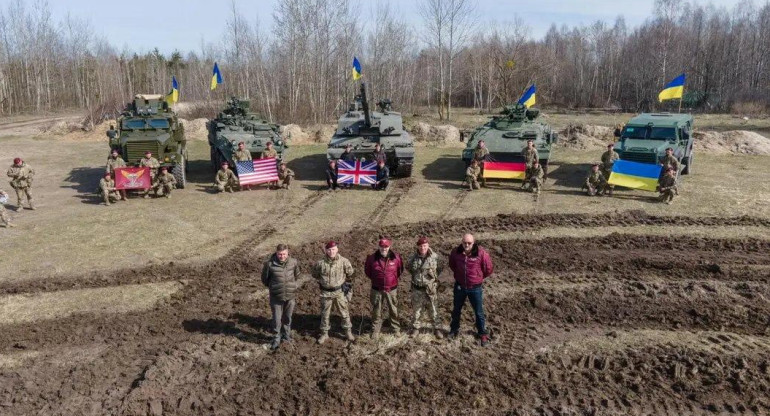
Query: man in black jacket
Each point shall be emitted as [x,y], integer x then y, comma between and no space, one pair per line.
[383,176]
[281,274]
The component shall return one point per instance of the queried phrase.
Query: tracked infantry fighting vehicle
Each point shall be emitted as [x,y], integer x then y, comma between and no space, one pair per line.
[506,135]
[236,124]
[148,123]
[363,129]
[645,138]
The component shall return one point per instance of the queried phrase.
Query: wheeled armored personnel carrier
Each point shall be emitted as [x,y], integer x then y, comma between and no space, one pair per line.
[237,124]
[363,129]
[506,135]
[147,123]
[646,137]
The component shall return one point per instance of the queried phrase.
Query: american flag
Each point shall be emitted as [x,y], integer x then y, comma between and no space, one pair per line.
[356,172]
[257,171]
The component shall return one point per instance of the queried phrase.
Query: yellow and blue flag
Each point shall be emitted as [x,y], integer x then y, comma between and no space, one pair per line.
[528,99]
[673,90]
[173,96]
[356,69]
[216,78]
[635,175]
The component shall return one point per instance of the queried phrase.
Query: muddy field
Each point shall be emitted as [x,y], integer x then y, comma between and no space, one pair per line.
[616,324]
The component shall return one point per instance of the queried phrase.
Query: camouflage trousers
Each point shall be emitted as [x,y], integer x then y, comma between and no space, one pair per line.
[592,190]
[535,184]
[286,182]
[334,299]
[667,196]
[229,186]
[606,174]
[424,299]
[4,215]
[473,183]
[390,299]
[21,193]
[107,195]
[160,189]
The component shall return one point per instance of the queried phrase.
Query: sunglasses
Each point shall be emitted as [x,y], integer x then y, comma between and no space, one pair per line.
[468,243]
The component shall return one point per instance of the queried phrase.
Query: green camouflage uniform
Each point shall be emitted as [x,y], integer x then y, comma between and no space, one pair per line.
[21,182]
[608,159]
[117,162]
[3,213]
[535,177]
[670,161]
[242,155]
[530,156]
[425,272]
[668,189]
[596,183]
[330,275]
[151,163]
[225,180]
[164,183]
[285,175]
[107,190]
[471,176]
[480,155]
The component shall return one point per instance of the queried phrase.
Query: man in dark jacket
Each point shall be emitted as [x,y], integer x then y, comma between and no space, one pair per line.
[471,265]
[383,176]
[331,175]
[384,268]
[280,274]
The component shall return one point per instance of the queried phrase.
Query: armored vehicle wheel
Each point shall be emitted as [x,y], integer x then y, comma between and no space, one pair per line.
[687,165]
[180,174]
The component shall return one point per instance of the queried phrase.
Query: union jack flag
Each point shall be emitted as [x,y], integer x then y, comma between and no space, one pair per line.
[256,171]
[356,172]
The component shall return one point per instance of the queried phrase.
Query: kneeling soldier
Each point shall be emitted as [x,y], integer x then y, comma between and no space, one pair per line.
[285,175]
[535,175]
[667,186]
[472,175]
[164,183]
[595,184]
[107,189]
[225,179]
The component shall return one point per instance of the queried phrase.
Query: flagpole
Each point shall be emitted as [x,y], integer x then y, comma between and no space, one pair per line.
[680,105]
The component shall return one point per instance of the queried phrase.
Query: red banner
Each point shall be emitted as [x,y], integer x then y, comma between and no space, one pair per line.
[132,178]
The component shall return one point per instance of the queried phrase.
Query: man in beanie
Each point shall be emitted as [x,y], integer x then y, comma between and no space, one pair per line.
[471,265]
[21,181]
[331,273]
[383,268]
[280,274]
[425,269]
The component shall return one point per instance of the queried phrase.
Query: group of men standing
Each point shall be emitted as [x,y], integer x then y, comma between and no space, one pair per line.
[21,175]
[382,178]
[469,262]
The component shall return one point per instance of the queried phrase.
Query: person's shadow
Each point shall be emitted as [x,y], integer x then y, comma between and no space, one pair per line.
[85,181]
[310,168]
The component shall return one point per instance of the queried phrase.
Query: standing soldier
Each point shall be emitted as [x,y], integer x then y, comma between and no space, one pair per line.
[269,152]
[379,154]
[285,175]
[242,155]
[331,175]
[3,213]
[471,265]
[150,162]
[618,131]
[115,161]
[164,183]
[596,184]
[112,133]
[480,155]
[608,160]
[472,175]
[535,174]
[425,269]
[529,153]
[348,155]
[670,161]
[225,179]
[667,186]
[384,268]
[331,273]
[21,181]
[107,189]
[281,275]
[383,177]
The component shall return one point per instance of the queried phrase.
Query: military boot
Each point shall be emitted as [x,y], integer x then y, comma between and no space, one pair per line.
[31,205]
[349,335]
[438,334]
[324,336]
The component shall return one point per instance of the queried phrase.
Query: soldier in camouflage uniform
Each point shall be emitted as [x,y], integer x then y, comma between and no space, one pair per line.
[608,160]
[107,189]
[331,273]
[529,153]
[242,155]
[472,175]
[268,153]
[670,161]
[3,213]
[425,269]
[480,155]
[225,179]
[21,181]
[150,162]
[595,184]
[535,177]
[285,175]
[667,186]
[164,183]
[115,161]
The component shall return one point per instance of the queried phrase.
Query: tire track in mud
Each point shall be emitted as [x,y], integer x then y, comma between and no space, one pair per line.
[399,189]
[455,204]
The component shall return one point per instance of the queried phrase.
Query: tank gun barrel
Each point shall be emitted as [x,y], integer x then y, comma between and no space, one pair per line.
[365,106]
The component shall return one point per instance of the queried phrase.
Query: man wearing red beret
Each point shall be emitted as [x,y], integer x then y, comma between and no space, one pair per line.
[425,269]
[331,274]
[383,268]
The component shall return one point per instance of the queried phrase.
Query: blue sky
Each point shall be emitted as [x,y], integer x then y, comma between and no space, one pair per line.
[141,25]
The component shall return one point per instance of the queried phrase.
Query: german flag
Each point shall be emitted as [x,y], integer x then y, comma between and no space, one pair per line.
[504,170]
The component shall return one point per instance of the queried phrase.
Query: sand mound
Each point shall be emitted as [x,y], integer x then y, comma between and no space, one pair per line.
[445,135]
[585,136]
[732,142]
[98,133]
[195,129]
[295,134]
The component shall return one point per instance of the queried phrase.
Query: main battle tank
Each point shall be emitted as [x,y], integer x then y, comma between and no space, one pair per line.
[363,129]
[148,123]
[506,135]
[236,124]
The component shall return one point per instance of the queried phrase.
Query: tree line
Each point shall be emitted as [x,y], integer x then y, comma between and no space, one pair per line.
[300,71]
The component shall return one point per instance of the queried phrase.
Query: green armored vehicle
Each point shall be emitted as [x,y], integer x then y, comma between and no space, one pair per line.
[363,129]
[236,124]
[148,123]
[645,138]
[506,135]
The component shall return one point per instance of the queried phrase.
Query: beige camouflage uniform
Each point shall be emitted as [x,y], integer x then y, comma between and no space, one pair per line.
[425,272]
[3,213]
[242,155]
[670,161]
[21,182]
[268,154]
[596,183]
[471,176]
[117,162]
[608,159]
[164,183]
[107,189]
[530,156]
[225,180]
[535,177]
[480,155]
[668,189]
[151,163]
[285,175]
[330,275]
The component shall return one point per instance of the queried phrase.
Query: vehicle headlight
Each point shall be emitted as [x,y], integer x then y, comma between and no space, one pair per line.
[278,143]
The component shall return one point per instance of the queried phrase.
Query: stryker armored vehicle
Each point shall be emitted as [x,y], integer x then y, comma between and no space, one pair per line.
[148,123]
[236,124]
[363,129]
[645,138]
[506,135]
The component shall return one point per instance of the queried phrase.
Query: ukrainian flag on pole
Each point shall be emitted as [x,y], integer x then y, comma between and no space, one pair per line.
[356,69]
[528,99]
[673,90]
[173,96]
[216,78]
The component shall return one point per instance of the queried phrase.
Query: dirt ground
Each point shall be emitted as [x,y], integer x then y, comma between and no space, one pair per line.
[599,306]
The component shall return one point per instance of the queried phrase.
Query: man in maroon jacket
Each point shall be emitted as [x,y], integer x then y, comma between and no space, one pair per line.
[383,268]
[470,264]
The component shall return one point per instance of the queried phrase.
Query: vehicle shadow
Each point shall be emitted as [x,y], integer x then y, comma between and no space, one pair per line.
[448,172]
[568,175]
[310,168]
[85,182]
[200,172]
